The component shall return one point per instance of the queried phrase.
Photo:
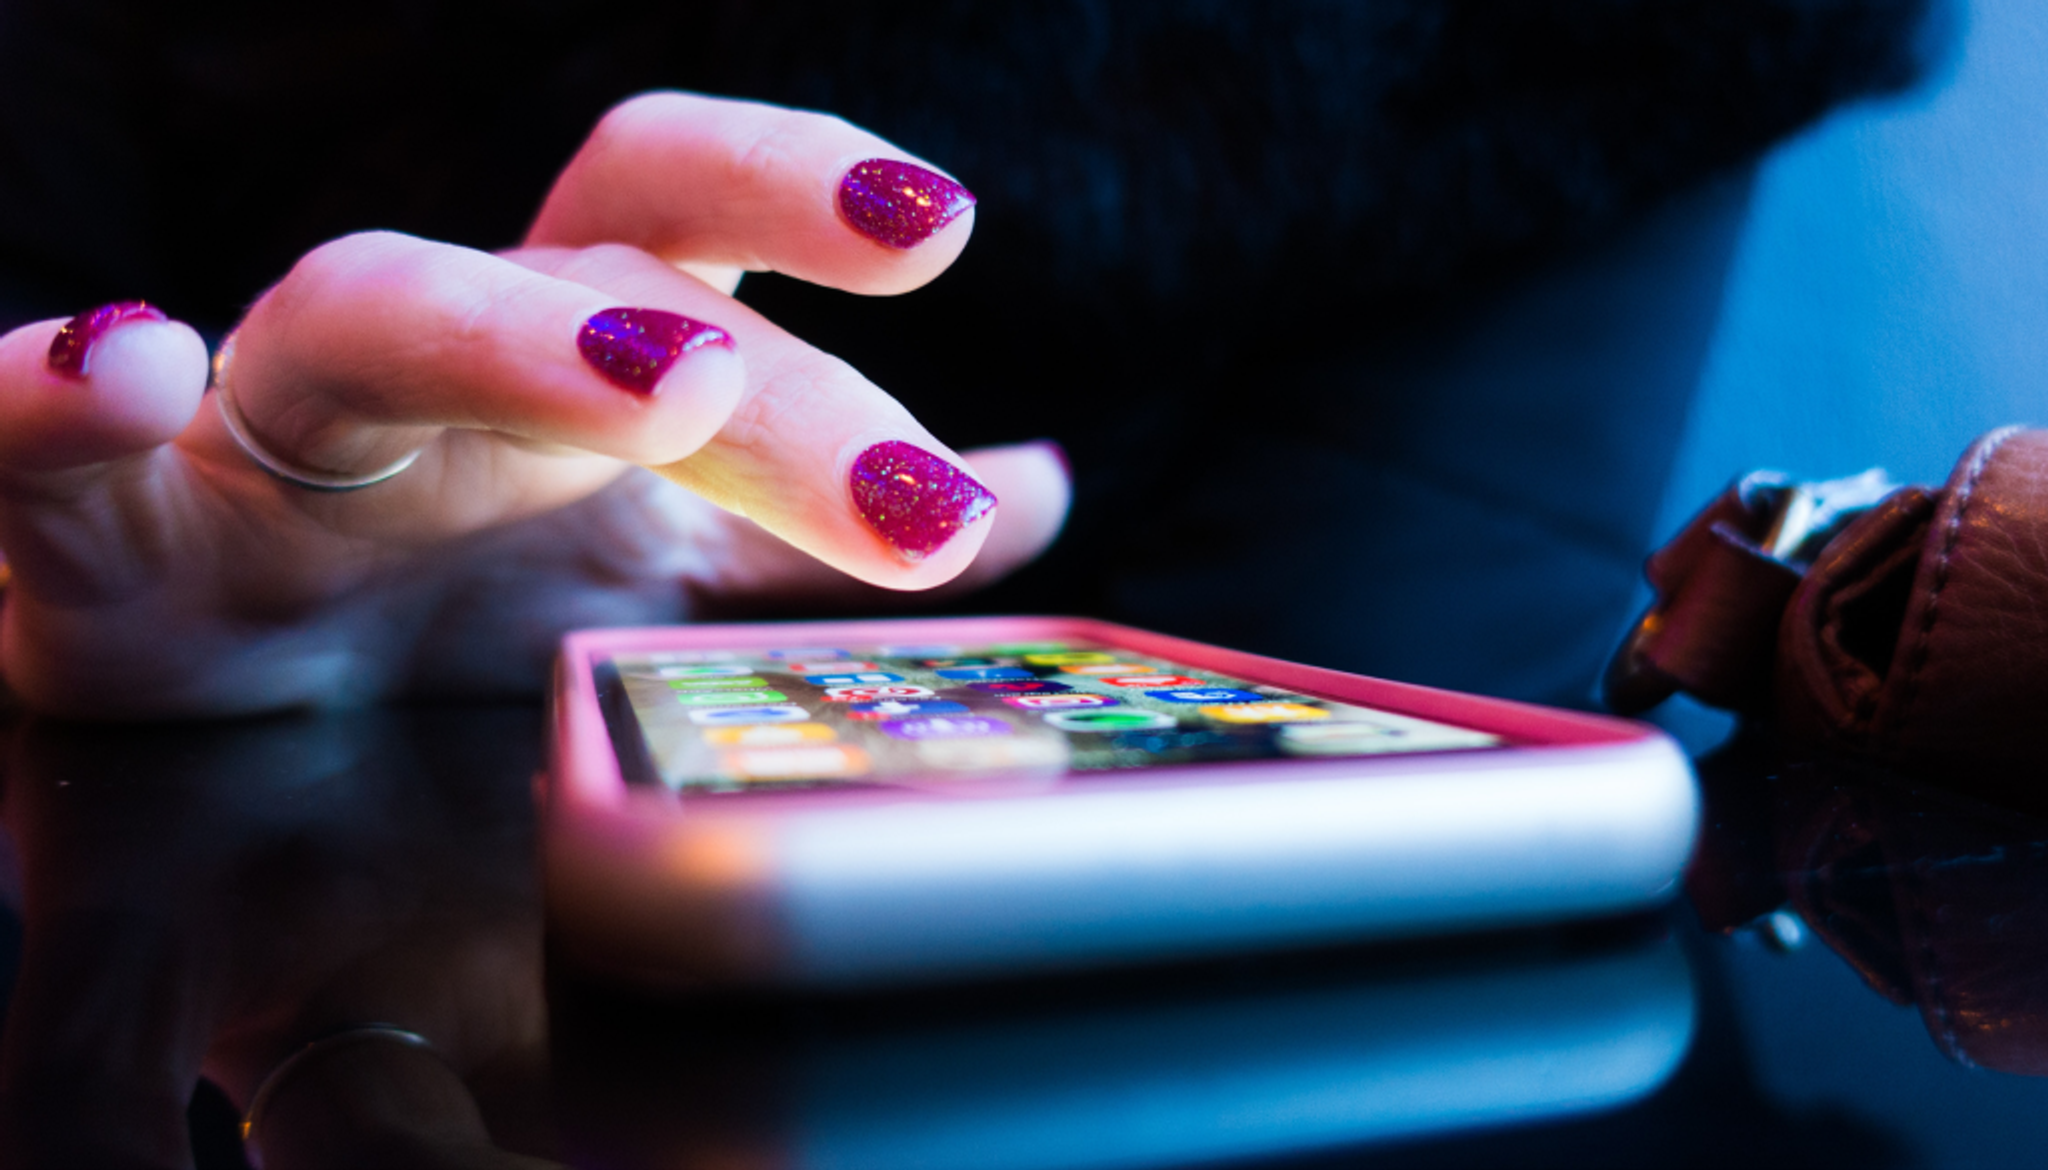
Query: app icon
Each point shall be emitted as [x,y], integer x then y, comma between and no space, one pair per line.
[770,734]
[810,654]
[1266,713]
[1206,695]
[1335,738]
[1016,751]
[933,650]
[1070,658]
[1120,719]
[796,763]
[1028,648]
[955,663]
[722,670]
[982,673]
[1021,687]
[871,694]
[727,698]
[848,667]
[716,684]
[945,727]
[1101,669]
[904,708]
[665,657]
[733,716]
[1154,680]
[1042,702]
[866,678]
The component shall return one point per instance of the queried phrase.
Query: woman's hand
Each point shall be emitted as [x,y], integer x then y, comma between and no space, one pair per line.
[159,570]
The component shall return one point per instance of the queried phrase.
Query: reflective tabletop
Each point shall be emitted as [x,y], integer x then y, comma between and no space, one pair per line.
[1857,977]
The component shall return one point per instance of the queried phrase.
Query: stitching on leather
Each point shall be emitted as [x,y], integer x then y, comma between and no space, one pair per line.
[1966,494]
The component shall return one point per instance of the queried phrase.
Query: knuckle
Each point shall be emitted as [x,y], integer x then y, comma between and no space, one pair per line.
[336,267]
[631,121]
[768,154]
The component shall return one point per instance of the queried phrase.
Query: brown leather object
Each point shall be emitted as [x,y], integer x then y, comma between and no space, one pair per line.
[1918,637]
[1958,674]
[1936,901]
[1719,600]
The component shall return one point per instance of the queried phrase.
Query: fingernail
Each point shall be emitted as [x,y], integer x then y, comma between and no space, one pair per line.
[898,203]
[915,500]
[71,350]
[633,348]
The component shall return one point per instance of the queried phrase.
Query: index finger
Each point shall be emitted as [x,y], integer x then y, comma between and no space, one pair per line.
[718,182]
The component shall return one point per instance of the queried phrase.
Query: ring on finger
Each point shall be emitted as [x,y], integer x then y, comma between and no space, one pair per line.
[278,468]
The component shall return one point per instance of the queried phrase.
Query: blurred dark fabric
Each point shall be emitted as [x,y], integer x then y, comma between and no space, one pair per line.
[1334,304]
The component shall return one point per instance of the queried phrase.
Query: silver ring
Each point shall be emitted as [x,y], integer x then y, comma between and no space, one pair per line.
[238,428]
[260,1099]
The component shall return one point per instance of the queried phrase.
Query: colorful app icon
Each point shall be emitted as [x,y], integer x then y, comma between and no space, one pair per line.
[1335,738]
[1103,669]
[1206,695]
[1266,713]
[904,709]
[1071,699]
[1016,751]
[720,670]
[770,735]
[1154,680]
[872,694]
[931,650]
[1069,658]
[982,673]
[848,667]
[810,654]
[1034,686]
[1120,719]
[670,657]
[1028,648]
[945,727]
[733,716]
[716,684]
[865,678]
[796,763]
[955,663]
[727,698]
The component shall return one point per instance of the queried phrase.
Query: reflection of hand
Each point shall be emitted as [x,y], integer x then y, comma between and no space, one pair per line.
[213,897]
[158,570]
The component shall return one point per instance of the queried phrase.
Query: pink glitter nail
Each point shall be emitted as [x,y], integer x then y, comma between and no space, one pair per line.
[71,349]
[915,500]
[633,348]
[898,203]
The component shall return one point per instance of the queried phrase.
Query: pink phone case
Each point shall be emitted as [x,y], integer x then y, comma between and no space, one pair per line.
[748,887]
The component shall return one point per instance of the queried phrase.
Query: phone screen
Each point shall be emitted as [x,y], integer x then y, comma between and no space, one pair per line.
[811,716]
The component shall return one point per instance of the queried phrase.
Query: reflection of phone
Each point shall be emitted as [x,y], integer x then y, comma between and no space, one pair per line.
[855,802]
[1213,1064]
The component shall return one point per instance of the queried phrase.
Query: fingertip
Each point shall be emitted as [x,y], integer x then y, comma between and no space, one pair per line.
[688,370]
[147,382]
[926,510]
[84,391]
[1035,485]
[692,401]
[917,219]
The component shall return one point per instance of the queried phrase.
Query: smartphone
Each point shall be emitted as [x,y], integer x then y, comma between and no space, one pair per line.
[839,804]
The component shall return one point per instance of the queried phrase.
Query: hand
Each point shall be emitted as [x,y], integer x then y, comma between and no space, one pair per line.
[158,570]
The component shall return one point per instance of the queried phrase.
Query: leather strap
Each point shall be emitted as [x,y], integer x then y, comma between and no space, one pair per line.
[1917,638]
